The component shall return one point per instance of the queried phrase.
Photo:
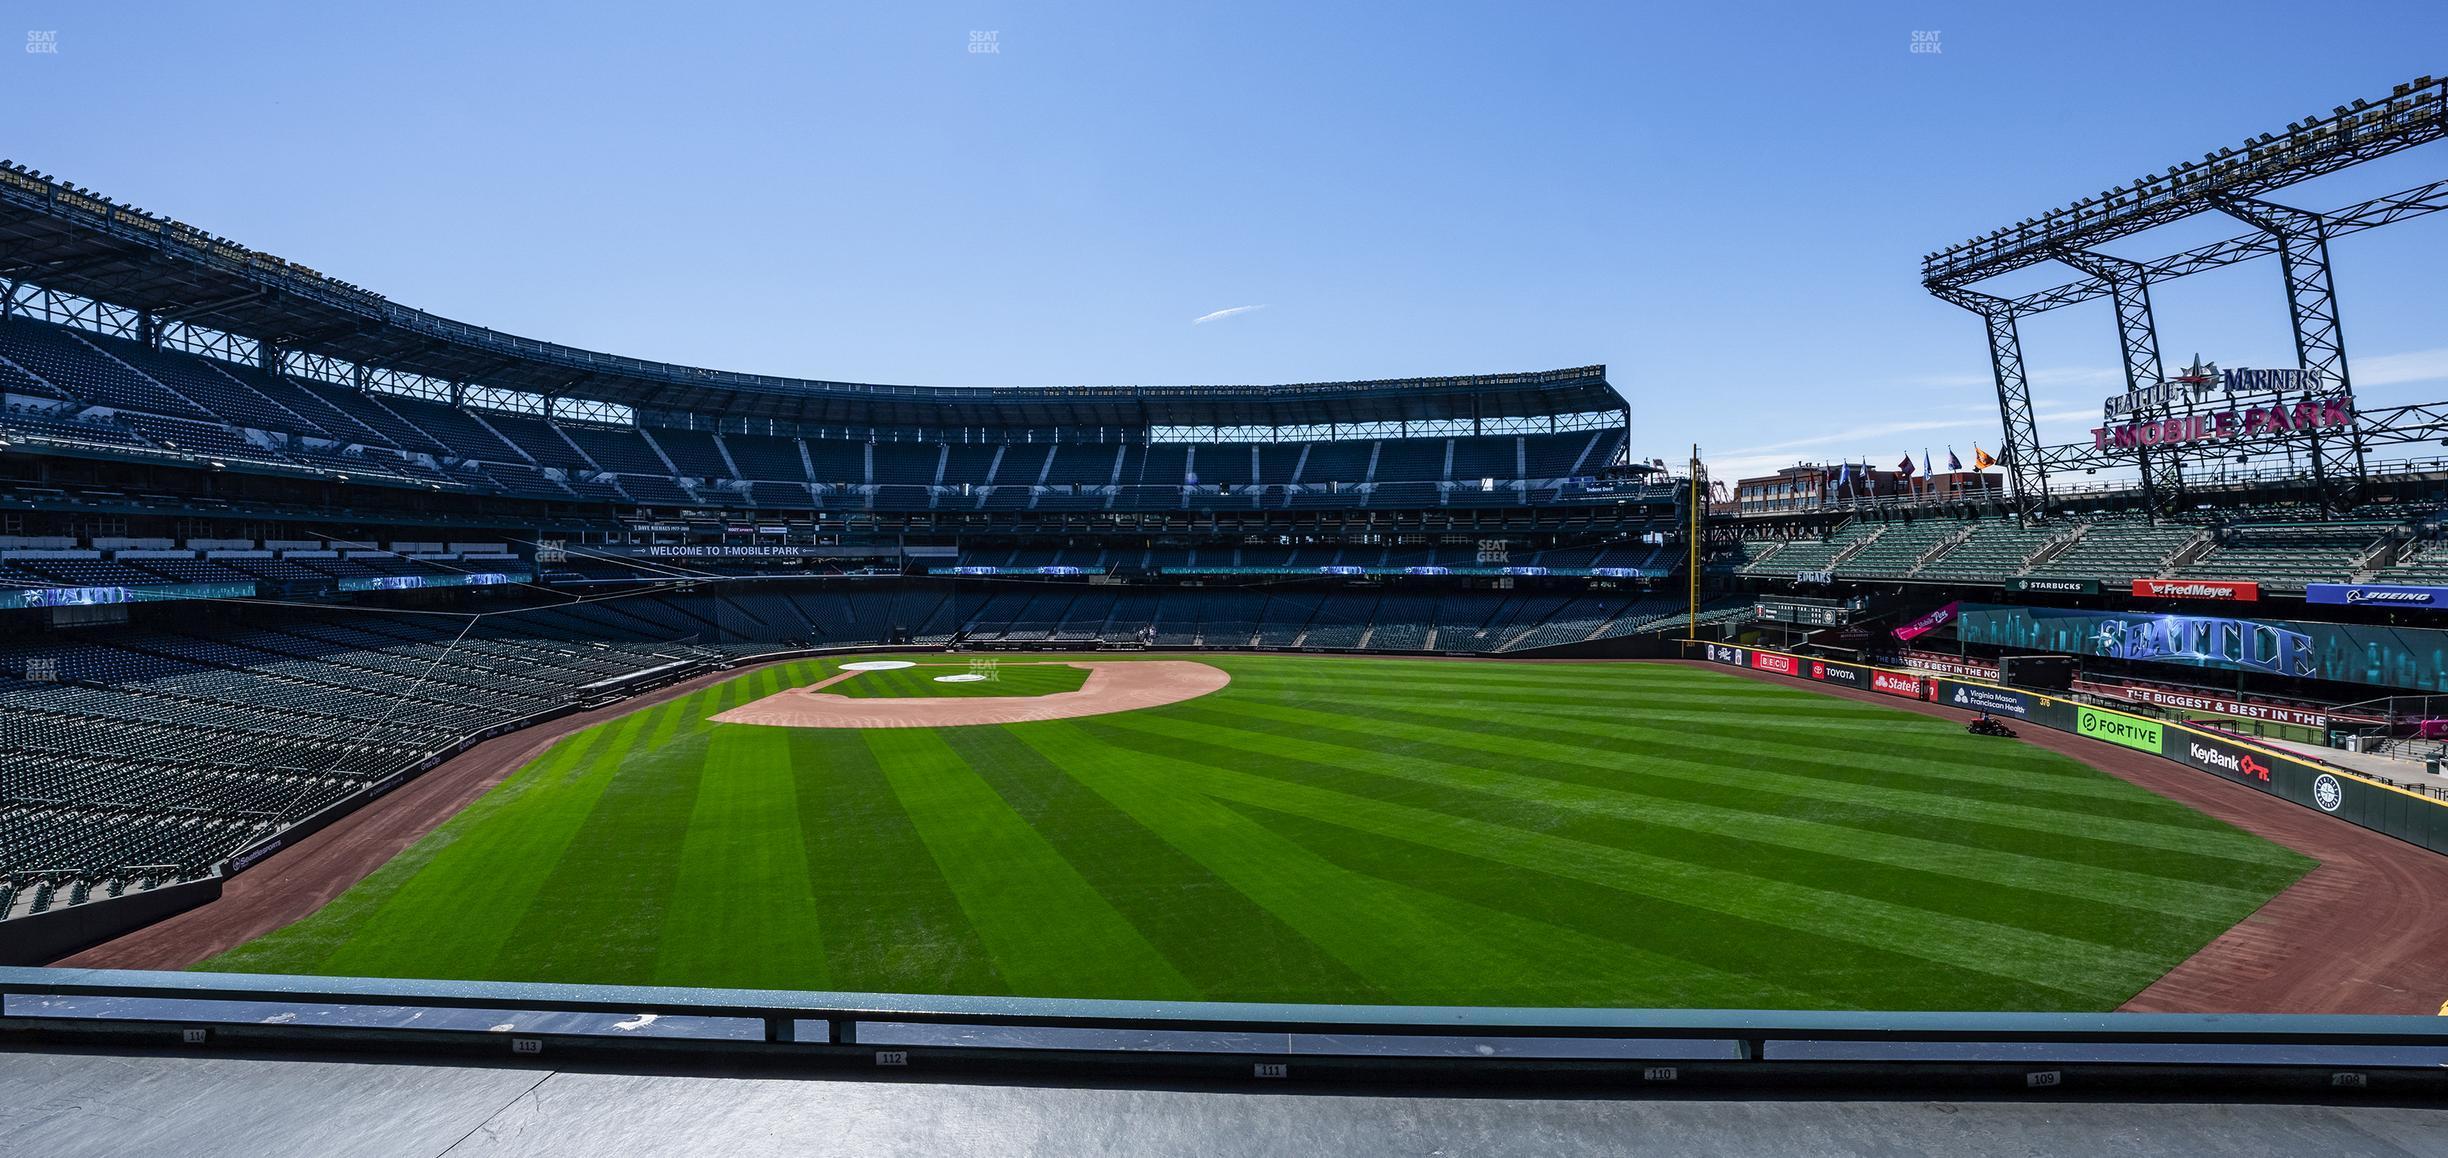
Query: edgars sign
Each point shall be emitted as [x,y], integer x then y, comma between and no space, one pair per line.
[2377,595]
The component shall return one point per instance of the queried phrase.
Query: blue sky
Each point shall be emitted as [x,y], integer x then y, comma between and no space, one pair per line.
[1726,207]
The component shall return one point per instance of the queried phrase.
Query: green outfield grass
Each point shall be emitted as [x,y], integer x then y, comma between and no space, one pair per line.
[1324,829]
[1006,678]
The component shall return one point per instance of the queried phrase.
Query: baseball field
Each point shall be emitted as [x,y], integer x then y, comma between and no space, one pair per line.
[1317,829]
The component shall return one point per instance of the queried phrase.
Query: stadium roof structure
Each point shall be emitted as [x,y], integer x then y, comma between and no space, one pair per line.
[72,241]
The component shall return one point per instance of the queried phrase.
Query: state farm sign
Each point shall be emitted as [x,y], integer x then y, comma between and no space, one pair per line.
[1896,685]
[2223,589]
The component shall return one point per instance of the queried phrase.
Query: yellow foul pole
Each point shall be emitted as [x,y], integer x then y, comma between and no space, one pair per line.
[1699,500]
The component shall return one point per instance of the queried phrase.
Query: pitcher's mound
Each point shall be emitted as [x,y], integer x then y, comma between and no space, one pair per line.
[1110,687]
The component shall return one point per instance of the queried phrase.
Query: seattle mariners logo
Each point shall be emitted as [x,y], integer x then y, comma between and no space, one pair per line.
[2327,792]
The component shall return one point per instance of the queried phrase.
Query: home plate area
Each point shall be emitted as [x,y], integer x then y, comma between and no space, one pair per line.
[1110,687]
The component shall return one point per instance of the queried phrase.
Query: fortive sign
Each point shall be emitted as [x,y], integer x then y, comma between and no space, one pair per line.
[2223,589]
[2377,595]
[2125,731]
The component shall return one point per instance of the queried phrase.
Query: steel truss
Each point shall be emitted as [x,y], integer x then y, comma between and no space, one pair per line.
[2128,285]
[2019,453]
[2228,182]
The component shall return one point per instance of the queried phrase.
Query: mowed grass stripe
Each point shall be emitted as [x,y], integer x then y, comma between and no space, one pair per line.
[1738,830]
[1230,947]
[1050,932]
[600,916]
[310,945]
[1825,774]
[1803,970]
[1980,946]
[425,929]
[1407,942]
[888,918]
[1802,741]
[743,910]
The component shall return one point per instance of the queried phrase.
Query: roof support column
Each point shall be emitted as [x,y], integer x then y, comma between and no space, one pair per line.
[2320,339]
[2020,452]
[2129,287]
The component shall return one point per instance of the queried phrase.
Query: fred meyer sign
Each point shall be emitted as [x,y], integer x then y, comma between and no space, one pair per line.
[2126,731]
[2377,595]
[2198,589]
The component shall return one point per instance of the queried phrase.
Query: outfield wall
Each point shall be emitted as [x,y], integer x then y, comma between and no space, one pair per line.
[2383,808]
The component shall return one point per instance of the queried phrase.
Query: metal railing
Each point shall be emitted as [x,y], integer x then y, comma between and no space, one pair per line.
[1043,1035]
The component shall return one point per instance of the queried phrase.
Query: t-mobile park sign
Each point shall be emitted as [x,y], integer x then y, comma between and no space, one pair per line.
[2251,422]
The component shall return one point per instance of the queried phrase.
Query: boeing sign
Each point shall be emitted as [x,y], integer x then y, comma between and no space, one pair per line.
[2377,595]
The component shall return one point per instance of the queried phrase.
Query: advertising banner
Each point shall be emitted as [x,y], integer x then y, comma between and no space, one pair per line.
[2046,586]
[1841,674]
[2399,657]
[1725,654]
[447,579]
[2222,706]
[2378,595]
[102,596]
[1949,665]
[2224,590]
[1928,623]
[1771,661]
[1995,701]
[2227,760]
[1912,687]
[2119,729]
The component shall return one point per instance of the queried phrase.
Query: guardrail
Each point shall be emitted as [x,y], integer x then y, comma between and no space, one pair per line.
[915,1035]
[2410,816]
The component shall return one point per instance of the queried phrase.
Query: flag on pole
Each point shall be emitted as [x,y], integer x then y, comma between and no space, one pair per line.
[1905,467]
[1953,463]
[1926,472]
[1981,459]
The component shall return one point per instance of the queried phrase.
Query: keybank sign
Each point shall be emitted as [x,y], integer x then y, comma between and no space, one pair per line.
[2124,731]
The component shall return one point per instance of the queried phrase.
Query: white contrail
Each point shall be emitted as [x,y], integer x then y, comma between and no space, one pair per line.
[1220,315]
